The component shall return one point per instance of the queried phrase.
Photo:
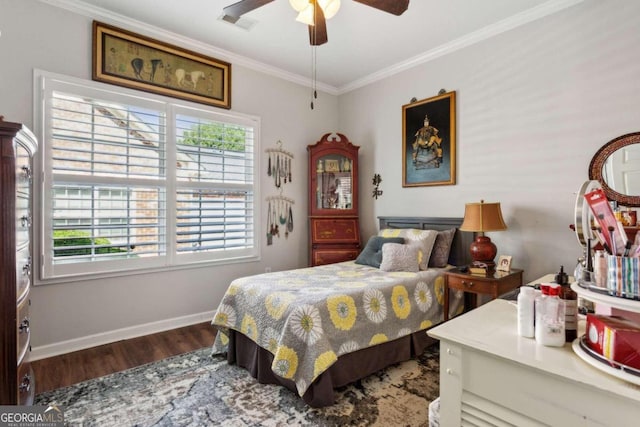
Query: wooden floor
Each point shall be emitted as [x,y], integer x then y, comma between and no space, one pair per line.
[71,368]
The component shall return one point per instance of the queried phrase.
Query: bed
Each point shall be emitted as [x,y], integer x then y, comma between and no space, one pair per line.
[318,328]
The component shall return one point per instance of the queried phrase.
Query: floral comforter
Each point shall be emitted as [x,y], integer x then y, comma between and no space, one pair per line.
[309,317]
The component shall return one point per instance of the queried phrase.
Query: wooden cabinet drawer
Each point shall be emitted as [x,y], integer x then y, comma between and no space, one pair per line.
[331,256]
[23,170]
[23,330]
[23,271]
[485,285]
[26,384]
[467,284]
[335,230]
[23,221]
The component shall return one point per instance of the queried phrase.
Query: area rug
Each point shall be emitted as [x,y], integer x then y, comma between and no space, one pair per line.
[196,389]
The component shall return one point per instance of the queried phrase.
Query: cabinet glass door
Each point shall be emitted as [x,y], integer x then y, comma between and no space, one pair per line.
[334,182]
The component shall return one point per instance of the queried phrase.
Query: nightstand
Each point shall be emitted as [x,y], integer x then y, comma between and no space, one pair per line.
[494,284]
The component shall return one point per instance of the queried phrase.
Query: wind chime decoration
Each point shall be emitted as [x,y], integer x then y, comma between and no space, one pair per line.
[279,165]
[279,217]
[376,181]
[280,208]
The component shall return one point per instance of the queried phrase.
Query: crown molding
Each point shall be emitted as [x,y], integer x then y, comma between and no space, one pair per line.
[548,8]
[108,17]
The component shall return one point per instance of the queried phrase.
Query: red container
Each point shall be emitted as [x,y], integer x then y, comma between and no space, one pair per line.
[615,338]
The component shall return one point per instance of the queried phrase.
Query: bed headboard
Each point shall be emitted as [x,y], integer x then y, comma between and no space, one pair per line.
[459,254]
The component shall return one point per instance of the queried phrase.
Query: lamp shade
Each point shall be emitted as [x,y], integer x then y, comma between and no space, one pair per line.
[481,217]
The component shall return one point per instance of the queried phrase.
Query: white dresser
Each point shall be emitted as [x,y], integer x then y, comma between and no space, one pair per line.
[491,376]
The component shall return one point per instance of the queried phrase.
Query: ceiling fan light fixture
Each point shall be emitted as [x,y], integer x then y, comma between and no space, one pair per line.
[306,15]
[329,7]
[299,5]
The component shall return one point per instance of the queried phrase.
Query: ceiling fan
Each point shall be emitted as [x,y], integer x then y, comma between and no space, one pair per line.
[315,14]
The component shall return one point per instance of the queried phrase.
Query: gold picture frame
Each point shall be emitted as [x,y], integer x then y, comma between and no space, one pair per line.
[429,141]
[127,59]
[332,165]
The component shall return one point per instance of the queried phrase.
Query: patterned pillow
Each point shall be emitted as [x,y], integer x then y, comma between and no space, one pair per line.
[398,257]
[441,248]
[372,253]
[423,238]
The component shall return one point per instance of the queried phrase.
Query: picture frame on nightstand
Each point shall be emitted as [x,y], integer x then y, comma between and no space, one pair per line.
[504,263]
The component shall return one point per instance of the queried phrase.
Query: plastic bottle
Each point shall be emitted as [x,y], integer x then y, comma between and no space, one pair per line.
[570,298]
[539,306]
[526,311]
[552,316]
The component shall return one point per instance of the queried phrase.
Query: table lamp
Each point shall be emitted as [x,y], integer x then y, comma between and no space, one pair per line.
[481,217]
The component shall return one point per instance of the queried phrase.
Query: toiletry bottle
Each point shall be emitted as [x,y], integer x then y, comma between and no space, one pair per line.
[570,298]
[539,306]
[553,319]
[526,311]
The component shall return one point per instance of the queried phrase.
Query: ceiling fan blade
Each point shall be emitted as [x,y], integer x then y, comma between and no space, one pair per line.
[234,11]
[395,7]
[318,32]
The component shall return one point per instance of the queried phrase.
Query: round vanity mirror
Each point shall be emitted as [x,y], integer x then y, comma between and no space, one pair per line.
[583,213]
[616,166]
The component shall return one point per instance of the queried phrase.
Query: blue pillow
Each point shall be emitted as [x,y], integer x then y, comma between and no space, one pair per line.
[372,253]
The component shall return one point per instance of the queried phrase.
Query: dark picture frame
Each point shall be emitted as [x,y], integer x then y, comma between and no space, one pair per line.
[429,149]
[127,59]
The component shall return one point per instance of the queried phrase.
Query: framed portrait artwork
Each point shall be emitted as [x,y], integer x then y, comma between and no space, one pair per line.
[127,59]
[429,141]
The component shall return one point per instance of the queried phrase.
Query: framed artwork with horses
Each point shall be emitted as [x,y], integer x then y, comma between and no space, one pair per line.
[124,58]
[429,141]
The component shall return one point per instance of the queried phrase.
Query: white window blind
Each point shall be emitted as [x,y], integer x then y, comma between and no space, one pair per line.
[215,177]
[133,182]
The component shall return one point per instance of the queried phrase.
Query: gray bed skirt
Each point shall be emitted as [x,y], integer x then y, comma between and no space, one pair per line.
[348,368]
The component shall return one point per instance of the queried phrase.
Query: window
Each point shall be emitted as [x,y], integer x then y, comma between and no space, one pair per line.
[133,182]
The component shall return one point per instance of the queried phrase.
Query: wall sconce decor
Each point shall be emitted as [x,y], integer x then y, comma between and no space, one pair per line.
[376,181]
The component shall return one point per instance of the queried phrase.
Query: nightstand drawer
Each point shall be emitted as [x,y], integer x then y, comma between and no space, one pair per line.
[494,284]
[471,284]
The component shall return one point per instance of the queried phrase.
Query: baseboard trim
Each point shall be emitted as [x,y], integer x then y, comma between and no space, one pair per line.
[56,349]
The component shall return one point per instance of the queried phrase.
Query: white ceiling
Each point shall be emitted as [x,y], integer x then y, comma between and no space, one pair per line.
[364,43]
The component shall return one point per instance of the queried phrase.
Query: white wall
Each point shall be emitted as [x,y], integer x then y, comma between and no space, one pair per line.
[71,315]
[533,106]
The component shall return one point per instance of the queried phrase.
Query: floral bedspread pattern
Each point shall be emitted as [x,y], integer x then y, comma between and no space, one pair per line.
[309,317]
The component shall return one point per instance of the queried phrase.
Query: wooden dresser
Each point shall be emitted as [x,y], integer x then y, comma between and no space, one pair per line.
[334,230]
[18,146]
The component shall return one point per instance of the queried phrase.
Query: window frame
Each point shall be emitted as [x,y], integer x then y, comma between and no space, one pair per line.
[45,83]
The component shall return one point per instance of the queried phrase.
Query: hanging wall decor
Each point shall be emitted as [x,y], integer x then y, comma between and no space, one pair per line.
[376,181]
[279,217]
[279,165]
[429,141]
[132,60]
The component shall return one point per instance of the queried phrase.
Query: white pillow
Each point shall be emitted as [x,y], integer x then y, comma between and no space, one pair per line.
[424,239]
[399,257]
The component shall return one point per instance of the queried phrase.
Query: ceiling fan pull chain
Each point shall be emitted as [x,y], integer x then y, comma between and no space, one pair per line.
[314,94]
[315,72]
[313,68]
